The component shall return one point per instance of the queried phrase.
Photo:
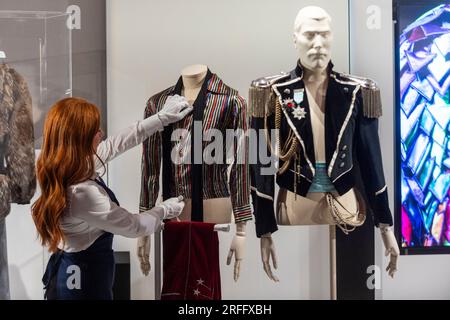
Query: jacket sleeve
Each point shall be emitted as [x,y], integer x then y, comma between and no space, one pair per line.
[151,164]
[371,165]
[240,171]
[91,204]
[126,139]
[262,169]
[20,151]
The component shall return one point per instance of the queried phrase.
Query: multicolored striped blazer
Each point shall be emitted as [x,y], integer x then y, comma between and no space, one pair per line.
[224,109]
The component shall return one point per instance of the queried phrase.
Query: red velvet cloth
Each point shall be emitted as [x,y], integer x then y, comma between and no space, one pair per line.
[190,262]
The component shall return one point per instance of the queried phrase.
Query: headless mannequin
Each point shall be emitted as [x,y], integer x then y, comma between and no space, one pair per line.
[313,39]
[215,210]
[218,210]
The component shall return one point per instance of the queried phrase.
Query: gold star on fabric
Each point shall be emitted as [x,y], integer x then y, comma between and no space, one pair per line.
[200,281]
[196,292]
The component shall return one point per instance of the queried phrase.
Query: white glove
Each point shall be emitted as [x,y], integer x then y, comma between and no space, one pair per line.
[391,246]
[267,252]
[175,109]
[143,253]
[171,207]
[237,249]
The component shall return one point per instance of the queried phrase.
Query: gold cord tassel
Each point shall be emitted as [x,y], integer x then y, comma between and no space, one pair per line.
[372,102]
[290,146]
[259,101]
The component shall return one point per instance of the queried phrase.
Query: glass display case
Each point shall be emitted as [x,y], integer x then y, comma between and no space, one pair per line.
[36,65]
[38,46]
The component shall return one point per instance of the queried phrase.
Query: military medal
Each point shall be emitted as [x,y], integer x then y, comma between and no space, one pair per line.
[288,103]
[299,113]
[298,95]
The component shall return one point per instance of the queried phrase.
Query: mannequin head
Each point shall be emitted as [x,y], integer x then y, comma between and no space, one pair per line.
[313,38]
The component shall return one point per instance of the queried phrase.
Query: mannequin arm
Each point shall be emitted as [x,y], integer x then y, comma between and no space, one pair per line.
[391,246]
[143,253]
[237,249]
[267,252]
[171,209]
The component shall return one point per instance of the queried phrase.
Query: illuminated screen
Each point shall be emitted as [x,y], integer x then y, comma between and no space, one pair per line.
[423,117]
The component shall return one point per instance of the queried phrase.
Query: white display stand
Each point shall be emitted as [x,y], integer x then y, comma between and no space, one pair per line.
[333,272]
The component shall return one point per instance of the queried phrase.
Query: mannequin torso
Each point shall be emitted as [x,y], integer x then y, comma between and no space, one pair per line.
[313,209]
[218,210]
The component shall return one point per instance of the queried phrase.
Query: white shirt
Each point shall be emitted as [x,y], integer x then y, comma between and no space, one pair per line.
[90,212]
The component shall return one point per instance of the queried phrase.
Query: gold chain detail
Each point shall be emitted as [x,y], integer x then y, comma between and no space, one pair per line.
[345,223]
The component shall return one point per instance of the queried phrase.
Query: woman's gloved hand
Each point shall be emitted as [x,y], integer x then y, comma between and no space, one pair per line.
[171,207]
[174,110]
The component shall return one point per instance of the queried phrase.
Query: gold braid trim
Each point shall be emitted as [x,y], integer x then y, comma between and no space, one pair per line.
[289,147]
[372,102]
[260,101]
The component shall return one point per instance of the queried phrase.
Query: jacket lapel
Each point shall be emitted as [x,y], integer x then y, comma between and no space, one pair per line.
[338,102]
[294,103]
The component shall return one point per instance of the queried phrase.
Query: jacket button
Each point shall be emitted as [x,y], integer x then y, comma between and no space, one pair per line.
[343,156]
[342,165]
[344,147]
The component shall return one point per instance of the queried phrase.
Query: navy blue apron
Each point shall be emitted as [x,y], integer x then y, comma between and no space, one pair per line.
[84,275]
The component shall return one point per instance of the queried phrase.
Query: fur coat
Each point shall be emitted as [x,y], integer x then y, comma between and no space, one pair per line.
[17,168]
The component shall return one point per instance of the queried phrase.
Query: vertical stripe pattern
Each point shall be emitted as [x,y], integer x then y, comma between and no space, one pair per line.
[224,110]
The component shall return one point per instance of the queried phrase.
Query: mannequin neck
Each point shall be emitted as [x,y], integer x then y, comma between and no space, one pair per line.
[317,76]
[316,83]
[193,78]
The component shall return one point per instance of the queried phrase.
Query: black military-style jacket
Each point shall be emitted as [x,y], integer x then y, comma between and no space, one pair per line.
[352,108]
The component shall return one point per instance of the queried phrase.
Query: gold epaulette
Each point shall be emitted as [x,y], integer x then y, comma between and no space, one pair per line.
[372,107]
[261,98]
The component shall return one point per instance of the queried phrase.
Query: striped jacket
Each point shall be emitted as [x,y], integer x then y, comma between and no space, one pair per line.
[224,110]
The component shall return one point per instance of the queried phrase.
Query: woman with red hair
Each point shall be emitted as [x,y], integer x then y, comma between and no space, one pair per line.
[77,214]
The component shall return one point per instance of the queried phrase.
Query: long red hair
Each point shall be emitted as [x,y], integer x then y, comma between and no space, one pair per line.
[66,158]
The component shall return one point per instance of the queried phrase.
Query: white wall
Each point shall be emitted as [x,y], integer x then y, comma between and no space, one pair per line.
[423,276]
[149,42]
